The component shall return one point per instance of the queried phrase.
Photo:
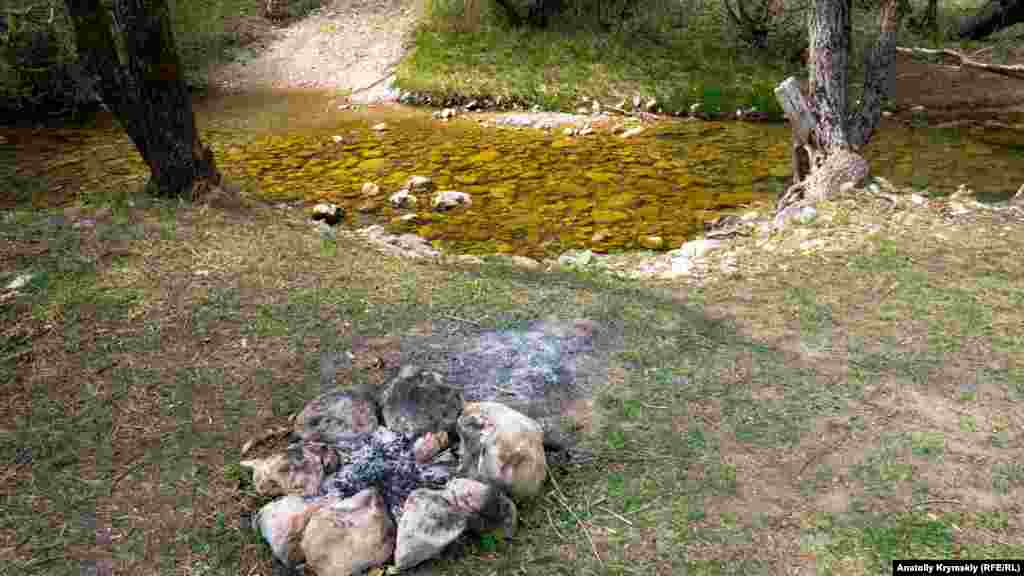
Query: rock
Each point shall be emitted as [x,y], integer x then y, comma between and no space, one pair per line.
[750,216]
[429,445]
[448,199]
[917,109]
[329,213]
[652,242]
[299,471]
[525,262]
[433,519]
[350,536]
[379,127]
[681,266]
[281,523]
[403,199]
[337,139]
[634,131]
[416,402]
[19,282]
[921,200]
[269,475]
[696,248]
[886,114]
[576,258]
[337,417]
[420,184]
[502,446]
[370,189]
[806,215]
[568,131]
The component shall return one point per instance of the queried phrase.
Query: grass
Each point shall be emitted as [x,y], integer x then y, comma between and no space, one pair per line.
[556,68]
[719,443]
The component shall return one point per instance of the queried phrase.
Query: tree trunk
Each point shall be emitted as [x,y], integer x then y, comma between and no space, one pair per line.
[992,17]
[833,139]
[147,93]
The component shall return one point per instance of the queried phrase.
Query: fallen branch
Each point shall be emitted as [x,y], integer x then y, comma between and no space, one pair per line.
[1013,71]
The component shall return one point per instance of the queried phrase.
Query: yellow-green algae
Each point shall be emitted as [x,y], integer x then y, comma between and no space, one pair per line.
[534,193]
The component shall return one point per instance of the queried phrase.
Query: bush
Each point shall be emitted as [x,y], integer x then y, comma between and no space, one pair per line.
[39,72]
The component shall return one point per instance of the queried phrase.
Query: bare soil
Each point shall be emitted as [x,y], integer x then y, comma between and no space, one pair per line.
[952,93]
[348,45]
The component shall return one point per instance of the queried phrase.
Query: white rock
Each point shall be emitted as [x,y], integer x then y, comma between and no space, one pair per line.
[635,131]
[696,248]
[420,184]
[370,189]
[350,536]
[806,215]
[525,262]
[336,138]
[918,199]
[447,199]
[281,524]
[402,199]
[501,446]
[20,282]
[682,265]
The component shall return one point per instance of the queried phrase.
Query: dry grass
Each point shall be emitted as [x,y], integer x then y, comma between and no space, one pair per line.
[852,408]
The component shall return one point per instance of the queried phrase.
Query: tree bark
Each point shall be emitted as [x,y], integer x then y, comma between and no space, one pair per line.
[992,17]
[146,93]
[833,140]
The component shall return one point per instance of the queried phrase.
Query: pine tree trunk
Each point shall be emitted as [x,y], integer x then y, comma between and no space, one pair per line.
[146,93]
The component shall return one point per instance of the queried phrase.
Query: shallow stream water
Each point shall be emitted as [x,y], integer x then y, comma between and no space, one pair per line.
[534,192]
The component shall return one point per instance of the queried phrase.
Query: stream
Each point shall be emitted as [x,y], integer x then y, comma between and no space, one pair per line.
[535,193]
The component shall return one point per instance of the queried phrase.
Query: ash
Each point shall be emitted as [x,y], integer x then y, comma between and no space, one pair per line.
[384,460]
[528,364]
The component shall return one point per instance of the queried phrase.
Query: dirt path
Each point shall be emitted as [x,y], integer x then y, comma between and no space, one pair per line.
[348,45]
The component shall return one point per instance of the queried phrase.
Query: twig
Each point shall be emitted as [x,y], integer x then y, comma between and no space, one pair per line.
[473,322]
[930,502]
[617,515]
[560,497]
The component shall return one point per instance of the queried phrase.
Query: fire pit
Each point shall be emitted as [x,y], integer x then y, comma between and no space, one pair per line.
[395,476]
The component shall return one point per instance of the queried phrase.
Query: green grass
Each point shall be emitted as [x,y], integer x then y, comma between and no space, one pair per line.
[556,69]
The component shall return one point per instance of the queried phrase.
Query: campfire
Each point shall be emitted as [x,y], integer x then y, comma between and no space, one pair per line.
[396,475]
